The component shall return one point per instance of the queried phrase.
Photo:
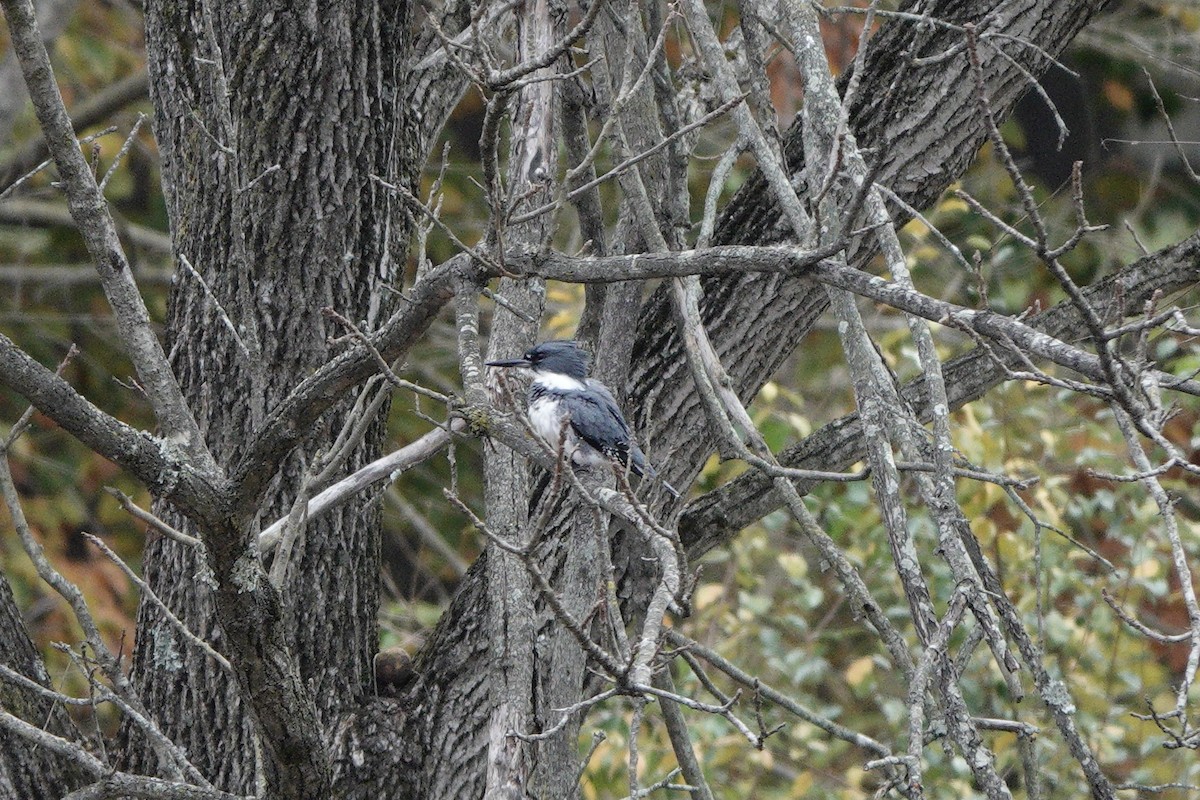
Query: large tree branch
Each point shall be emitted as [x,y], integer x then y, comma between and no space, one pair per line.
[920,129]
[290,422]
[147,458]
[1005,330]
[718,516]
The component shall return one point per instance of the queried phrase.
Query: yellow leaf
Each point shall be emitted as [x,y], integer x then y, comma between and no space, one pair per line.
[794,564]
[1147,569]
[916,229]
[800,423]
[1118,95]
[707,594]
[1049,506]
[978,242]
[926,252]
[858,671]
[953,205]
[803,782]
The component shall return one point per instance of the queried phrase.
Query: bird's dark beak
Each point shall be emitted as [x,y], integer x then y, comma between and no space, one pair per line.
[511,362]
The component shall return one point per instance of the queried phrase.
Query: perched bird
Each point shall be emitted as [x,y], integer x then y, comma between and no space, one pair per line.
[596,433]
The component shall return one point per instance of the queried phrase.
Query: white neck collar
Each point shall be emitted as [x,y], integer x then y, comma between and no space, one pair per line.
[555,380]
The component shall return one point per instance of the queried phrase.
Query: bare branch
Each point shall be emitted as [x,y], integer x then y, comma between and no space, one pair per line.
[149,459]
[124,693]
[681,742]
[1179,561]
[388,468]
[86,114]
[149,594]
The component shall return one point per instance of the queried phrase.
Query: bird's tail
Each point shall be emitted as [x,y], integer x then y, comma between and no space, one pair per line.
[642,467]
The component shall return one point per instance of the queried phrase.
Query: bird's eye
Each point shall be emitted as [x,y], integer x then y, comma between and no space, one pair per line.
[531,356]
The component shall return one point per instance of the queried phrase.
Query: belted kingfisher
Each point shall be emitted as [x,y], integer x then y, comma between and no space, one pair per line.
[597,432]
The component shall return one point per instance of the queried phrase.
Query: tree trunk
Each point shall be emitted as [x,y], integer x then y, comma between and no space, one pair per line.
[26,769]
[271,121]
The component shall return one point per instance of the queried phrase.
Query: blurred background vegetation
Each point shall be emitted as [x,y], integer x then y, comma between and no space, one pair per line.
[765,601]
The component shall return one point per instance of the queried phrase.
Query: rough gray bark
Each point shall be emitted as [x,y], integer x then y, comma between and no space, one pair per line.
[27,770]
[533,155]
[267,164]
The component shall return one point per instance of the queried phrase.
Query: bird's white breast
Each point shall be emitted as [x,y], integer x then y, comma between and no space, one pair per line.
[546,416]
[546,420]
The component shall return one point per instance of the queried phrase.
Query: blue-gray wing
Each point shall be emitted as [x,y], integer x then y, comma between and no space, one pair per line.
[597,420]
